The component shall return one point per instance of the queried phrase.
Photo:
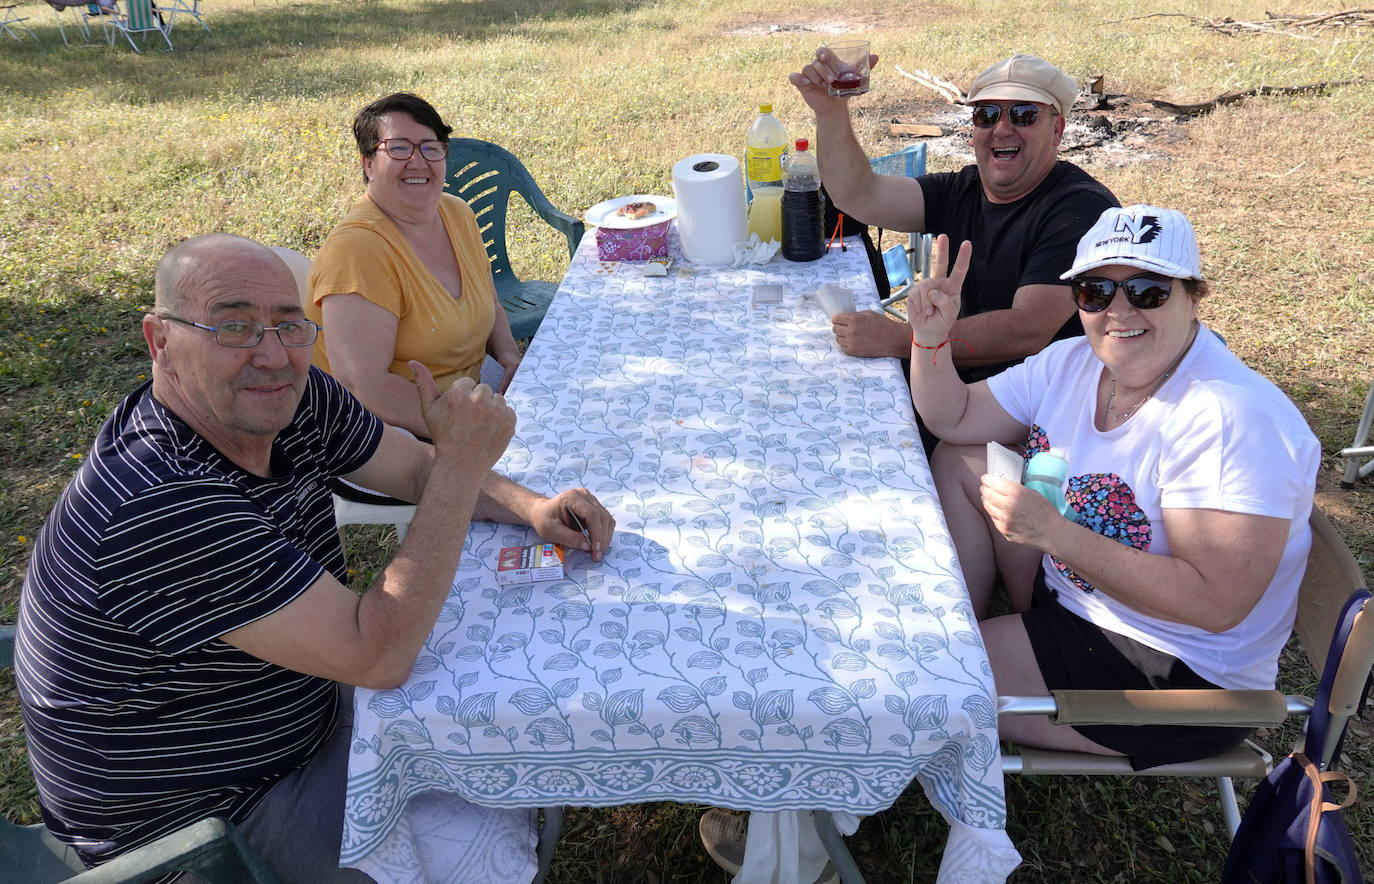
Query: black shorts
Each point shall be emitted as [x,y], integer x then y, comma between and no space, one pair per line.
[1073,654]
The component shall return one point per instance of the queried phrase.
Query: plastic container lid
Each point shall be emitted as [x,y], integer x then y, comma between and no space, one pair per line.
[765,108]
[803,144]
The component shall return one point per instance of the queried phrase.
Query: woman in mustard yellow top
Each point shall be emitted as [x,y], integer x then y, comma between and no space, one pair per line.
[405,275]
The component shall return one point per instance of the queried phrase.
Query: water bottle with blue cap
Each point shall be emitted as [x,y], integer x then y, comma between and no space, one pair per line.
[1046,474]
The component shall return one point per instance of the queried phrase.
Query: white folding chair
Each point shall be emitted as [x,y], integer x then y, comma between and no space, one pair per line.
[11,20]
[347,511]
[173,8]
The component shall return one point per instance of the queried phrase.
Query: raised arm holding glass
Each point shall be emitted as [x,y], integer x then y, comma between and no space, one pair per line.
[1021,207]
[1190,485]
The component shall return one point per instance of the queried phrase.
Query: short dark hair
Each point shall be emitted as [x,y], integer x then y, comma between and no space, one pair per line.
[368,122]
[1196,288]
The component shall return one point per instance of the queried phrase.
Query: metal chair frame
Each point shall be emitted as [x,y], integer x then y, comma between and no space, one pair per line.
[12,19]
[1360,449]
[173,8]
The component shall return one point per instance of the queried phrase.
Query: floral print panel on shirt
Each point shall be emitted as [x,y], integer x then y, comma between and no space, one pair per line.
[1104,502]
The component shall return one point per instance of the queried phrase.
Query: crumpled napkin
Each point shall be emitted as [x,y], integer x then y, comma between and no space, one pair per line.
[835,299]
[755,251]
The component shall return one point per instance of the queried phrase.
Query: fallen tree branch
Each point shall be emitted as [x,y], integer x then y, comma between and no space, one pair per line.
[946,89]
[1188,110]
[1278,23]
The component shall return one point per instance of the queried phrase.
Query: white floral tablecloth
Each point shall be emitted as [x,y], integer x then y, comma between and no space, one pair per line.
[779,623]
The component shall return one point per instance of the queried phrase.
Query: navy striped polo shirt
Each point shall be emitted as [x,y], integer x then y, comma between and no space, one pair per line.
[140,719]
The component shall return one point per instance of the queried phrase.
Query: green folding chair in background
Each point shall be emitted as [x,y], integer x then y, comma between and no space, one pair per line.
[138,17]
[485,175]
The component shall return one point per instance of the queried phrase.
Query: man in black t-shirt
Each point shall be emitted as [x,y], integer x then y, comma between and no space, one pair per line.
[185,638]
[1022,209]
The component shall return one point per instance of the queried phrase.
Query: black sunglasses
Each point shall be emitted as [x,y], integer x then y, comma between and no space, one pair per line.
[1146,291]
[985,116]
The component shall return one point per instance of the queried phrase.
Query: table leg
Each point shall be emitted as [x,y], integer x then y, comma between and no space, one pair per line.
[548,841]
[840,857]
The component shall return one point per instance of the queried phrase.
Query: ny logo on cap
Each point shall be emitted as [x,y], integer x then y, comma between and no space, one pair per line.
[1142,229]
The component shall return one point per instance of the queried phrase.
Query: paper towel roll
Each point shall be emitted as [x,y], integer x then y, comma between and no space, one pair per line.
[711,214]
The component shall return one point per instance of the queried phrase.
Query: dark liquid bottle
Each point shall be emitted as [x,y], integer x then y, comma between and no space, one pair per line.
[802,218]
[802,211]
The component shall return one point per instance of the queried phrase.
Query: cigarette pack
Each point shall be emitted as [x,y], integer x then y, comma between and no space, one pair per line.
[530,564]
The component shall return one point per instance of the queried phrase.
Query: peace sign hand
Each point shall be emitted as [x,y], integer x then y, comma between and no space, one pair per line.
[933,308]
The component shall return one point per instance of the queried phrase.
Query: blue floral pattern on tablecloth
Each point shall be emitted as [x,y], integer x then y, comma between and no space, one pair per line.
[779,623]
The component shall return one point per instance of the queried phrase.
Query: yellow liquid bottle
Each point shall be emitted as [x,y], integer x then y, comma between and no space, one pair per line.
[764,147]
[765,214]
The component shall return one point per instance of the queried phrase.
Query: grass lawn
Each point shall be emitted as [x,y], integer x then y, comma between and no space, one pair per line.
[111,157]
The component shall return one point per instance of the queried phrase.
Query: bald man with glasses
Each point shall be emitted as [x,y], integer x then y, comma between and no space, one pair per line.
[187,645]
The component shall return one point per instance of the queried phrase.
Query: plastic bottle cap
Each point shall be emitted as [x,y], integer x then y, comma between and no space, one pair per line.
[803,144]
[765,108]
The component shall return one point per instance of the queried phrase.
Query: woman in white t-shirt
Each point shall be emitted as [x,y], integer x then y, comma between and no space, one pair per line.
[1184,529]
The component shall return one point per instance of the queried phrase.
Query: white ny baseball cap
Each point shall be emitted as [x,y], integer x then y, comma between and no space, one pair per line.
[1141,236]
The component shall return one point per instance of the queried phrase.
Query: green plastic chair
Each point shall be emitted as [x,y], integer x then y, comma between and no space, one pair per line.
[212,848]
[484,175]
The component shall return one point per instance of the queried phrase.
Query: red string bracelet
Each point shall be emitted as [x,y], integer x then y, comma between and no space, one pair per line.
[936,348]
[839,222]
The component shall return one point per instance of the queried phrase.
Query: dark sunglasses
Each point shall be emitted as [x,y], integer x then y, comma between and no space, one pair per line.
[985,116]
[1146,291]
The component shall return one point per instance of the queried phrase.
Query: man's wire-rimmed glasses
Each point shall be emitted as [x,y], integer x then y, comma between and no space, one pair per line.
[242,334]
[404,148]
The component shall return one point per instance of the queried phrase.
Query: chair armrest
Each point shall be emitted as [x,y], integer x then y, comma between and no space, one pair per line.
[7,645]
[571,228]
[212,848]
[1211,708]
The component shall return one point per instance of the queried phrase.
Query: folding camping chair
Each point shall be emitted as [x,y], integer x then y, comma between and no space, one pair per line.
[13,19]
[905,264]
[1332,577]
[57,10]
[173,8]
[138,17]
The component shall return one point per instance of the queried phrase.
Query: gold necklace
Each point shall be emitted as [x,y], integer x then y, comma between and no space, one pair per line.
[1168,373]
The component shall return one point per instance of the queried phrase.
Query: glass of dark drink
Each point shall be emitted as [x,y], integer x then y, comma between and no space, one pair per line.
[849,62]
